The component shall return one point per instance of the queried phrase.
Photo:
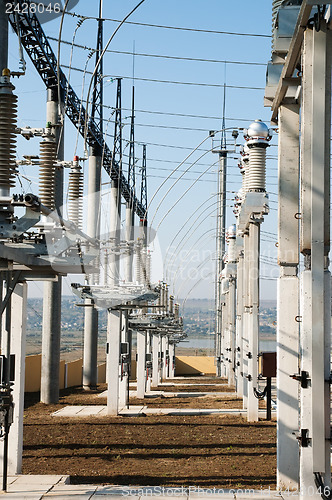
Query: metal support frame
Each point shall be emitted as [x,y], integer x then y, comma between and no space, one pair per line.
[43,58]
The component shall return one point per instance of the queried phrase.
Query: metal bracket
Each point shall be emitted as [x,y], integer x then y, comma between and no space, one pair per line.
[249,355]
[303,438]
[13,282]
[303,378]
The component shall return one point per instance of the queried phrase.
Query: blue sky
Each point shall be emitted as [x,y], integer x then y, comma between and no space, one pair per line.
[170,137]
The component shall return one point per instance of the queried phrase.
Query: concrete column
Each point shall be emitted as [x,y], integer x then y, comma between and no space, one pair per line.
[18,346]
[148,377]
[90,351]
[163,355]
[254,238]
[231,323]
[171,360]
[141,371]
[246,311]
[288,300]
[49,390]
[123,368]
[155,360]
[239,326]
[113,361]
[315,291]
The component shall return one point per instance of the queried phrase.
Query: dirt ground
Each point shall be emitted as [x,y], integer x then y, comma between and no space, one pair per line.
[207,451]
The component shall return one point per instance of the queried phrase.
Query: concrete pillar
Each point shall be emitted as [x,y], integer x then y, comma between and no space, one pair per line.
[171,360]
[90,351]
[254,239]
[288,300]
[315,245]
[164,348]
[231,326]
[123,376]
[18,347]
[49,390]
[141,371]
[245,319]
[239,326]
[155,360]
[113,361]
[149,366]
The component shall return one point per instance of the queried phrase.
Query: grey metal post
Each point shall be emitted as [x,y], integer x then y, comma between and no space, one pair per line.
[3,36]
[315,245]
[288,299]
[112,361]
[155,359]
[114,316]
[254,239]
[141,372]
[239,326]
[245,319]
[221,229]
[51,336]
[90,377]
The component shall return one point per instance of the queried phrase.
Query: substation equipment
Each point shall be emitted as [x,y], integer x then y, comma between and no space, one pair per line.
[240,276]
[299,93]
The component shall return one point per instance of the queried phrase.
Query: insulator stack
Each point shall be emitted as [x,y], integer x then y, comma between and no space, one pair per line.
[148,267]
[257,169]
[75,195]
[171,304]
[231,240]
[166,299]
[176,311]
[47,172]
[138,264]
[8,115]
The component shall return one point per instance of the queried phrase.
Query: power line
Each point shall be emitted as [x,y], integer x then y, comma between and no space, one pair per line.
[172,82]
[163,56]
[178,28]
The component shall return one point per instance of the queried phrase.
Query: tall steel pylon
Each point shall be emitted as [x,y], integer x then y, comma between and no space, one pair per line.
[117,145]
[131,164]
[144,189]
[98,90]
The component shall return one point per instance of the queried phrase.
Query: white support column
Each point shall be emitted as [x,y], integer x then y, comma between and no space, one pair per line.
[155,360]
[163,355]
[51,334]
[231,323]
[288,300]
[123,368]
[171,360]
[245,319]
[148,367]
[254,237]
[112,361]
[141,371]
[239,326]
[18,346]
[315,326]
[90,351]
